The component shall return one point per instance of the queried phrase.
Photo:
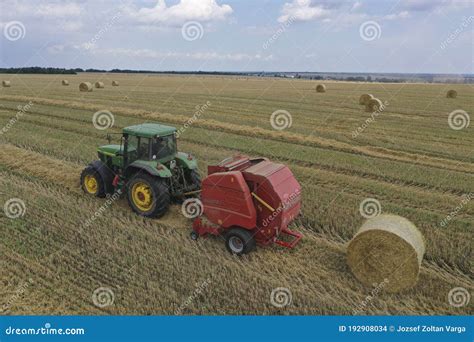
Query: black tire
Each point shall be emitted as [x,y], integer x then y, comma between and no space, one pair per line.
[195,179]
[159,193]
[194,236]
[92,172]
[245,239]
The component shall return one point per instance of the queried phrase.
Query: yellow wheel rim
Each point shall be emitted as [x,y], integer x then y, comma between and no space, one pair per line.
[142,196]
[90,183]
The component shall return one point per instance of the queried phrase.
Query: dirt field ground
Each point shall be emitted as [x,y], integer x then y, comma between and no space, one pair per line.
[408,158]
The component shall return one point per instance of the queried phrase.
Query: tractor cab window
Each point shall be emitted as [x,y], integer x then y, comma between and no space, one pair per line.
[138,148]
[164,146]
[143,151]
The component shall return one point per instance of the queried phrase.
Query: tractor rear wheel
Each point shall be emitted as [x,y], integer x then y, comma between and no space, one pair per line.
[148,196]
[92,182]
[239,241]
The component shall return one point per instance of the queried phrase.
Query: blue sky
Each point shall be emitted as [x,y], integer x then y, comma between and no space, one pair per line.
[287,35]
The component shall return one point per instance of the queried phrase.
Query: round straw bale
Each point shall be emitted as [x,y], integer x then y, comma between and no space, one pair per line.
[115,83]
[65,82]
[99,85]
[389,249]
[6,83]
[364,98]
[85,86]
[374,105]
[451,94]
[321,88]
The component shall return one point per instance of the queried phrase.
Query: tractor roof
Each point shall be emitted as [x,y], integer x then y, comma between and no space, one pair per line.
[149,130]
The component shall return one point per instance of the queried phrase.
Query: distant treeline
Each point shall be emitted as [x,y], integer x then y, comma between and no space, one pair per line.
[350,77]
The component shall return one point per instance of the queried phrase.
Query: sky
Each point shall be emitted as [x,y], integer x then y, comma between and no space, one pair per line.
[406,36]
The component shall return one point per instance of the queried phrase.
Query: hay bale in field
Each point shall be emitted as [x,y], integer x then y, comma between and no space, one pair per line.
[374,105]
[65,82]
[364,98]
[451,94]
[320,88]
[85,86]
[115,83]
[6,84]
[389,249]
[99,85]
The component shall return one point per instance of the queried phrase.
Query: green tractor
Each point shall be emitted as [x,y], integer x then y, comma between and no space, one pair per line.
[146,166]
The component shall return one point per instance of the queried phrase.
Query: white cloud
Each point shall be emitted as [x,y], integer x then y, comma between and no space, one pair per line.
[184,10]
[395,16]
[302,10]
[148,53]
[41,9]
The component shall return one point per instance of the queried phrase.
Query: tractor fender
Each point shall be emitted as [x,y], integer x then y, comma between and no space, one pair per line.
[186,160]
[106,173]
[149,168]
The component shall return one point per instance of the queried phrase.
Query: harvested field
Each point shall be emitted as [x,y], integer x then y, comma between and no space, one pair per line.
[407,158]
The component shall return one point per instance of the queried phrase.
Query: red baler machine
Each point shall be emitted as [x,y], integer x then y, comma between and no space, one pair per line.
[249,201]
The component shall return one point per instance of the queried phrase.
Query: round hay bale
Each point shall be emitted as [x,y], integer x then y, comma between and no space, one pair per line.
[6,83]
[389,249]
[85,86]
[374,105]
[321,88]
[364,98]
[451,94]
[99,85]
[65,82]
[115,83]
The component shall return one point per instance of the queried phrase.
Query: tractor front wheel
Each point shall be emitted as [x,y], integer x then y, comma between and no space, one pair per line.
[148,196]
[92,182]
[239,241]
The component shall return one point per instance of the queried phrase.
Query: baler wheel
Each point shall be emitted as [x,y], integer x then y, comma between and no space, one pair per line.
[194,236]
[239,241]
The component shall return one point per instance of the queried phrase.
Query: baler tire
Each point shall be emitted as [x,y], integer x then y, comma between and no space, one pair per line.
[90,171]
[245,236]
[160,195]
